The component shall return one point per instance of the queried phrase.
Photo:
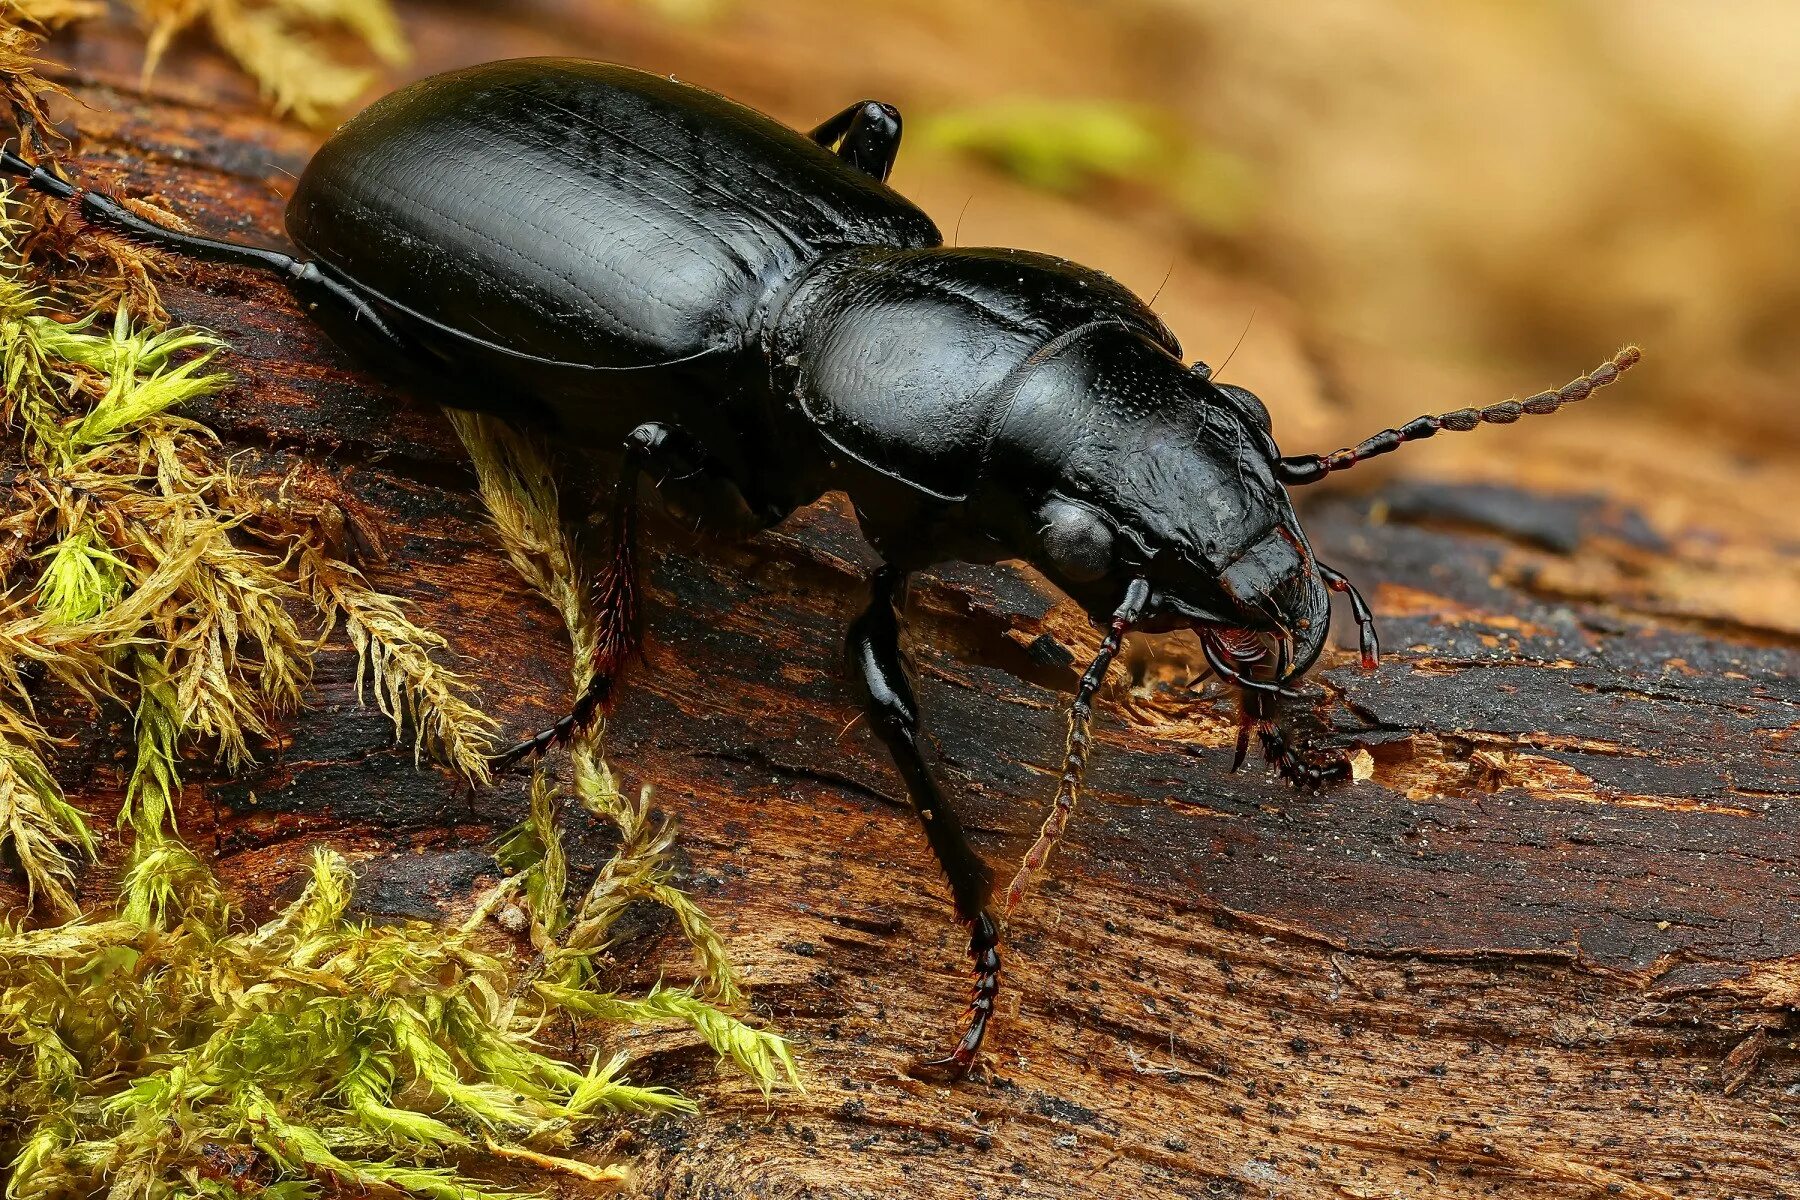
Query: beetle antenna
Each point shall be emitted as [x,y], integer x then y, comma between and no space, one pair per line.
[1075,749]
[1310,468]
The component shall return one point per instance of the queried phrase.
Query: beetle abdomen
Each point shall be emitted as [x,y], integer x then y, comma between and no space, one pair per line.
[582,212]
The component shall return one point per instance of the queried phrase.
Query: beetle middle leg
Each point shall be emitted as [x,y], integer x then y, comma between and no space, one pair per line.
[873,647]
[866,135]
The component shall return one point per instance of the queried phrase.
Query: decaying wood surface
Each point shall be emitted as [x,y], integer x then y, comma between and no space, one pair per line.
[1552,949]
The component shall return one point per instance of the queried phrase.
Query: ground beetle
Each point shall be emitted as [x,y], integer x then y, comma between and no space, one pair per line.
[757,319]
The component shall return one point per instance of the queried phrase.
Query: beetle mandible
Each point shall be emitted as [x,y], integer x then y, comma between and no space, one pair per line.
[752,314]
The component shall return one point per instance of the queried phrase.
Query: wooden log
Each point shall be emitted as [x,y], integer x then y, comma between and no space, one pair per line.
[1550,950]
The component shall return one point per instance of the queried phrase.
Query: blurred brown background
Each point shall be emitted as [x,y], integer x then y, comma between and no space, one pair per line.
[1515,187]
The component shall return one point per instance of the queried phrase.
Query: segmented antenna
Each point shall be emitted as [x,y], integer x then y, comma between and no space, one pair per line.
[1075,749]
[1310,468]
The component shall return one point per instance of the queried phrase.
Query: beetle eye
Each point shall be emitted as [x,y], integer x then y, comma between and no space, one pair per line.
[1247,405]
[1078,542]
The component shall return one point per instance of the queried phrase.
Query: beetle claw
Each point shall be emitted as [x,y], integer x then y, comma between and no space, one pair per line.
[1243,747]
[984,953]
[1305,772]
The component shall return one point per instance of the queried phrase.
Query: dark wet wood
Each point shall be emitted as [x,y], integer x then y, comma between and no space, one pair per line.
[1552,949]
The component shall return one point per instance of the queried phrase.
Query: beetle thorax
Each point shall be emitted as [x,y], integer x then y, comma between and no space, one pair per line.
[905,362]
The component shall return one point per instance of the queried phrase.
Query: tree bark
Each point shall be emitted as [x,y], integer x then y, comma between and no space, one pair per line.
[1549,950]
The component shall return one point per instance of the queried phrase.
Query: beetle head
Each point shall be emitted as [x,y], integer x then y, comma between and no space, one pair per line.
[1150,471]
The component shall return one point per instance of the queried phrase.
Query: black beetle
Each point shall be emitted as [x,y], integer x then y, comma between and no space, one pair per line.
[757,319]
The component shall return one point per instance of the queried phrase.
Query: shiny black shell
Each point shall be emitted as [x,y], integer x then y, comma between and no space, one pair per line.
[582,213]
[606,247]
[907,358]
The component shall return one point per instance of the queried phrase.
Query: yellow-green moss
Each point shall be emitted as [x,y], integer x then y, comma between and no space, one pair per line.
[294,49]
[312,1048]
[1067,145]
[164,1045]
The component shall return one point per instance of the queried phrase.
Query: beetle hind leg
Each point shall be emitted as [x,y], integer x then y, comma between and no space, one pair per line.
[873,647]
[669,456]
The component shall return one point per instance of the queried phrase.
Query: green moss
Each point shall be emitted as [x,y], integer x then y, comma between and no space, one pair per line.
[83,578]
[164,1045]
[516,484]
[294,49]
[1068,146]
[314,1047]
[43,829]
[762,1056]
[145,587]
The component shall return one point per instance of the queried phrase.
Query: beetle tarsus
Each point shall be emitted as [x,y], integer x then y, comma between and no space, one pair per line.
[34,176]
[1303,771]
[313,285]
[592,701]
[100,209]
[984,955]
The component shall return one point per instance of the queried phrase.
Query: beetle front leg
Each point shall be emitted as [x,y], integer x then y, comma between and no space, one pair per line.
[1304,769]
[866,135]
[873,648]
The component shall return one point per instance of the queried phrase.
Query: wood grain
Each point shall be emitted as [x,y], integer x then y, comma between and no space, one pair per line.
[1550,950]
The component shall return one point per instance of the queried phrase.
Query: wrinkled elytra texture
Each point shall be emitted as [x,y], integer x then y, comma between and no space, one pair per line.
[581,212]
